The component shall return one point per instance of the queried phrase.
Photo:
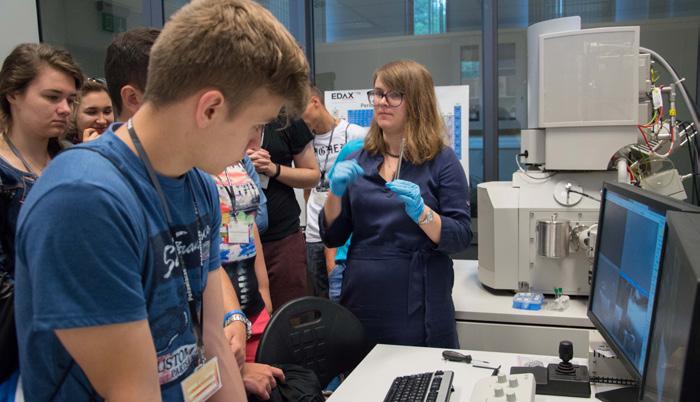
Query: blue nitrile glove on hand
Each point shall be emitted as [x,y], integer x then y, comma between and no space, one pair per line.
[409,193]
[342,174]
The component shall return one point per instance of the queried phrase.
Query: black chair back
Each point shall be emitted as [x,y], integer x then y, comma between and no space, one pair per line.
[315,333]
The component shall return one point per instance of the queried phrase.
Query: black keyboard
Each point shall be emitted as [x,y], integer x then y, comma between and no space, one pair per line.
[423,387]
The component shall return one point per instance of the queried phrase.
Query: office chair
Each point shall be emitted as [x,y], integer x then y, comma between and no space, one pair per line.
[315,333]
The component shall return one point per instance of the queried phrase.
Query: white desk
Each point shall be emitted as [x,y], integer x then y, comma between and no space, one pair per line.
[486,319]
[372,378]
[474,302]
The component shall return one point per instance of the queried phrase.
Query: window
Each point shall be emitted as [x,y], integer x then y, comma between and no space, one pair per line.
[429,17]
[86,27]
[170,6]
[278,8]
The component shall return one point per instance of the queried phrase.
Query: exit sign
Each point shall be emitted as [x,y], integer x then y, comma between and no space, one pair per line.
[113,23]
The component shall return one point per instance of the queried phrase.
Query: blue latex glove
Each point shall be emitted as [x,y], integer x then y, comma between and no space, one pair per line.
[409,193]
[342,175]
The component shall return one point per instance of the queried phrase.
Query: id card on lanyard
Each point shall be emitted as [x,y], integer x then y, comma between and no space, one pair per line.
[206,380]
[323,186]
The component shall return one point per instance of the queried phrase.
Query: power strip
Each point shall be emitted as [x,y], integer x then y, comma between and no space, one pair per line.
[505,388]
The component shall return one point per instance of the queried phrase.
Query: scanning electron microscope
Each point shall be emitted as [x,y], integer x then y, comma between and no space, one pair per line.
[595,114]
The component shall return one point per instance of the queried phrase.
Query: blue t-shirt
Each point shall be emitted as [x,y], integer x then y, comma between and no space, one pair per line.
[91,251]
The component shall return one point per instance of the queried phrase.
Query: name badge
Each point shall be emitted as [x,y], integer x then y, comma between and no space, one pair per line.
[238,232]
[264,181]
[203,383]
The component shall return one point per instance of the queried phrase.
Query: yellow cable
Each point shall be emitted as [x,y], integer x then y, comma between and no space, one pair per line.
[653,118]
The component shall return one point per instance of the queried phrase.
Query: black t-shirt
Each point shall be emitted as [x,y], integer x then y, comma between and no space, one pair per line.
[282,207]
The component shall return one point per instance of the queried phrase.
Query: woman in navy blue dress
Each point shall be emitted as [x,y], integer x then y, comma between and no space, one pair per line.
[399,275]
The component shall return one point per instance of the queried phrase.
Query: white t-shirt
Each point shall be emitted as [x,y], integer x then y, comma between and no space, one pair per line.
[326,150]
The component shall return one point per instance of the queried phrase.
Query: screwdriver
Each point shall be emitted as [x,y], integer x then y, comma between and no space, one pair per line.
[459,357]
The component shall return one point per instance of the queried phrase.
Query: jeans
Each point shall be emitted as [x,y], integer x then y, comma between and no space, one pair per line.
[316,274]
[335,281]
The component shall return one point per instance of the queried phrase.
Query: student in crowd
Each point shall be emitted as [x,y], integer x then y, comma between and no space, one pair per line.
[92,112]
[38,84]
[126,73]
[407,208]
[126,67]
[330,135]
[141,287]
[240,197]
[285,252]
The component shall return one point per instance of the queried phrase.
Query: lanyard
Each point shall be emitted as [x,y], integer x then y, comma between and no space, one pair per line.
[195,315]
[19,156]
[229,189]
[328,150]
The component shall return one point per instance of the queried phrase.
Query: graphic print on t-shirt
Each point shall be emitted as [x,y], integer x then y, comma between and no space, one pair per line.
[169,320]
[327,147]
[238,198]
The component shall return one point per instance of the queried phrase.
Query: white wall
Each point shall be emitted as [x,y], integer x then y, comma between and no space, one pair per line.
[18,24]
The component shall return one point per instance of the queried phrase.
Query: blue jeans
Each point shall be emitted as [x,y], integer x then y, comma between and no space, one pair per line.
[316,273]
[335,281]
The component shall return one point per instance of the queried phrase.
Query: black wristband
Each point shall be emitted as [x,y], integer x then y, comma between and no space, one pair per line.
[279,170]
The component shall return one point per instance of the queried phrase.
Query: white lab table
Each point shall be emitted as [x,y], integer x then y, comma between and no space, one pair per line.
[486,319]
[372,378]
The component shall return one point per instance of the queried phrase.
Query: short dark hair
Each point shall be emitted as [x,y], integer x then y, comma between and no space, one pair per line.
[315,91]
[126,62]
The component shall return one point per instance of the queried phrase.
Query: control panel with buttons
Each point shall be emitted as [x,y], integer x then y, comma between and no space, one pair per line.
[505,388]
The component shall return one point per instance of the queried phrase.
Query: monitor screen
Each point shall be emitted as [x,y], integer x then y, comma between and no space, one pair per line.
[674,357]
[626,269]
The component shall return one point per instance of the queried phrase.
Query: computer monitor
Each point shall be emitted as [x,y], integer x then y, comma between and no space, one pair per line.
[629,248]
[674,356]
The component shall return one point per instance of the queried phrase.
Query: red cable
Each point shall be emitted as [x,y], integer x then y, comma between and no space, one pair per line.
[641,130]
[656,120]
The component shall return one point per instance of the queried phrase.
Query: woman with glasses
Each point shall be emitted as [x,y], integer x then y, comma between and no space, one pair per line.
[92,113]
[405,198]
[38,84]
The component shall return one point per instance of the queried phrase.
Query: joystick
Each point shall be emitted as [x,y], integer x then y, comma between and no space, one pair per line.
[564,378]
[566,353]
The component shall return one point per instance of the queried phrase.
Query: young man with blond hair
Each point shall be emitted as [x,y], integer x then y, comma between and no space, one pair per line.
[126,71]
[123,298]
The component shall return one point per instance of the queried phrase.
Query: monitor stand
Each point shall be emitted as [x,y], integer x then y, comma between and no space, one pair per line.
[627,394]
